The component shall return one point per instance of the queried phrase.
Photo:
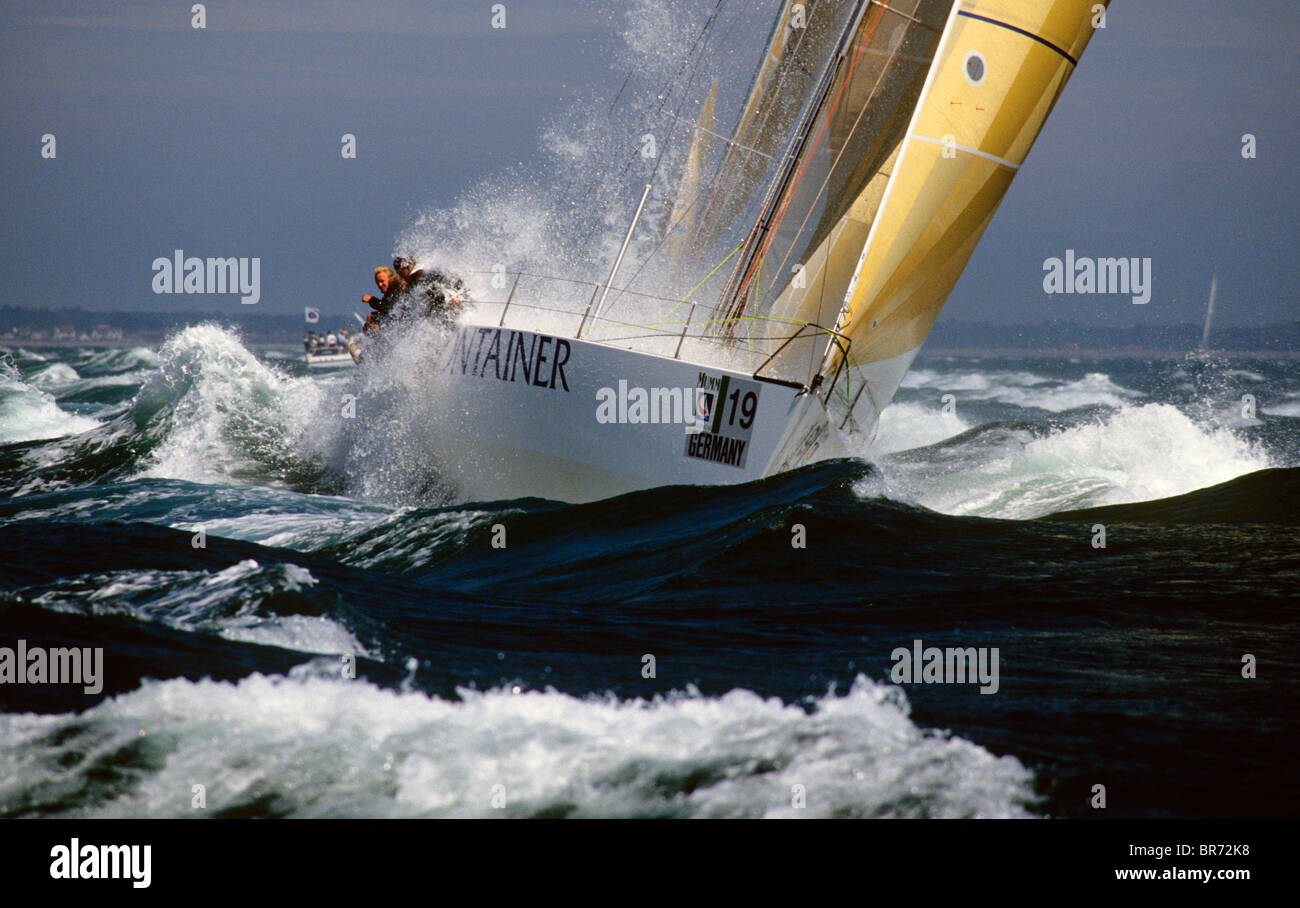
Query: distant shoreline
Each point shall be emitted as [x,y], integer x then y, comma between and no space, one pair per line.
[154,342]
[1111,353]
[66,327]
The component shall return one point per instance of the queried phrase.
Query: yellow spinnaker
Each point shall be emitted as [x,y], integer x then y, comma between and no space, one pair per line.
[997,73]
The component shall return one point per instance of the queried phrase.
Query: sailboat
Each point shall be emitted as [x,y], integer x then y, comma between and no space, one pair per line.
[1209,315]
[878,139]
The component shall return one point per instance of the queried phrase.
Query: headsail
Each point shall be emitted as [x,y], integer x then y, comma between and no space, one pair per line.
[997,74]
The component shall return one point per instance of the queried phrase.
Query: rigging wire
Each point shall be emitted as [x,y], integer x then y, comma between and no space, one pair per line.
[789,192]
[663,96]
[705,192]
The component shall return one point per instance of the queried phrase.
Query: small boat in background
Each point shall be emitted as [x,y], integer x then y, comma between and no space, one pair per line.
[328,359]
[327,351]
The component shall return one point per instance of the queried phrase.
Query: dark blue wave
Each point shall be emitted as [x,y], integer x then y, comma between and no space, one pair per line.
[1265,496]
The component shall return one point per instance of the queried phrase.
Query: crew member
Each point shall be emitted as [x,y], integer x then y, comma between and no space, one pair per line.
[392,287]
[436,294]
[412,291]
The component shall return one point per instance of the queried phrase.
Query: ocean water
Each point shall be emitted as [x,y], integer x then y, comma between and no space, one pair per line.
[512,682]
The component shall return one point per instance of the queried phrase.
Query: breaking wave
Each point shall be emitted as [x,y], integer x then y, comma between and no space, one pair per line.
[311,746]
[28,412]
[1025,389]
[1135,453]
[247,602]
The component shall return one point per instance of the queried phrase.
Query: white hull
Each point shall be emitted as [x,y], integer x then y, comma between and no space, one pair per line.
[520,413]
[328,360]
[868,390]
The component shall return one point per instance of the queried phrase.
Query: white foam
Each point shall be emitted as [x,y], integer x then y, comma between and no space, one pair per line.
[905,425]
[114,361]
[1138,453]
[1290,406]
[52,375]
[29,414]
[287,529]
[318,747]
[1024,389]
[1094,388]
[227,603]
[230,414]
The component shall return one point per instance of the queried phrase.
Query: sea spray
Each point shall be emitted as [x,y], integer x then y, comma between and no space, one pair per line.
[563,214]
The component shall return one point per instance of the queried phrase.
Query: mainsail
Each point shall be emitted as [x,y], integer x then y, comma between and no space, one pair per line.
[803,248]
[803,38]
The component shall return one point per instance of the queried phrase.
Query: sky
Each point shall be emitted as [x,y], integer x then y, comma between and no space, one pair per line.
[225,141]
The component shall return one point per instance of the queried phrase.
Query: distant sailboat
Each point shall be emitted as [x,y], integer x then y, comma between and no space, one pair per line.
[1209,314]
[880,138]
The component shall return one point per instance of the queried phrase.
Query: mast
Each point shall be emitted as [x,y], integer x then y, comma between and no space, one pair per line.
[730,303]
[800,255]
